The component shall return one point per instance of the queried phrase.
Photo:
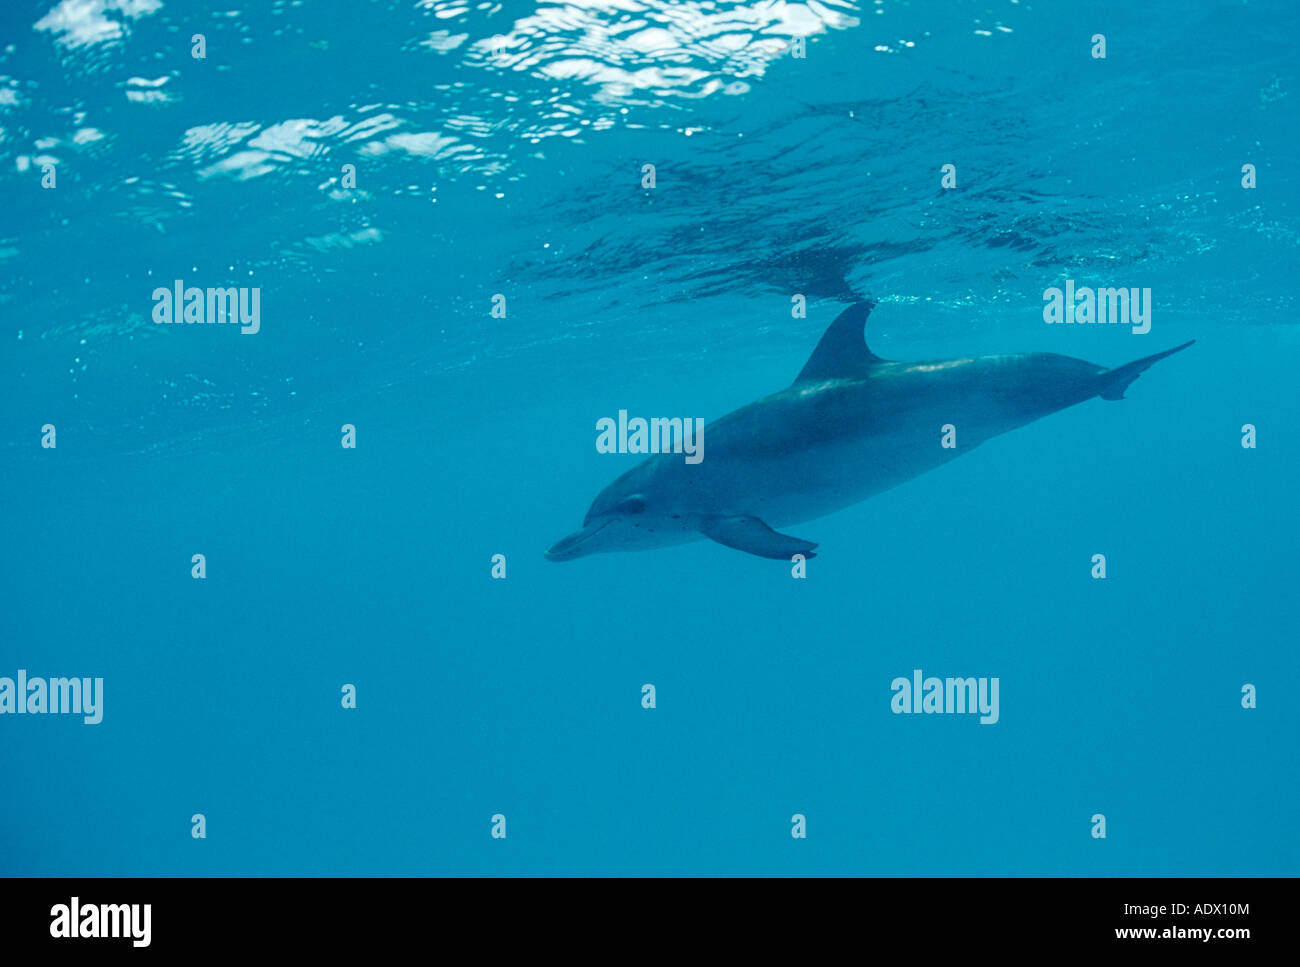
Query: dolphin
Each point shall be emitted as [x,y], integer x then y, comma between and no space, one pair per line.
[850,426]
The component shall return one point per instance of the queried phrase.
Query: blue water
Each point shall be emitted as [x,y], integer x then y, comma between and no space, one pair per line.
[498,149]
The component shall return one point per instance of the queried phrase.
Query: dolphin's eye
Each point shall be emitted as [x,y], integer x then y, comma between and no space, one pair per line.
[632,505]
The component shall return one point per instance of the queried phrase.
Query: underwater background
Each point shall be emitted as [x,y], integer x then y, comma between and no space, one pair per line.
[499,151]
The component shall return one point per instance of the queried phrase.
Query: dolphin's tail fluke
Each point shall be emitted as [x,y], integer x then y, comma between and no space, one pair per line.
[1114,382]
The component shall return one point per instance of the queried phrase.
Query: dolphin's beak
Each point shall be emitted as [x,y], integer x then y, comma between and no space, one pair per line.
[576,544]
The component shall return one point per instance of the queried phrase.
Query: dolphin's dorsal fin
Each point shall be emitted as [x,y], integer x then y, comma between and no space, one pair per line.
[843,348]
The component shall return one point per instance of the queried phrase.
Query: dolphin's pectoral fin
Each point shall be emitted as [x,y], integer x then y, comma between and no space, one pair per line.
[751,535]
[843,350]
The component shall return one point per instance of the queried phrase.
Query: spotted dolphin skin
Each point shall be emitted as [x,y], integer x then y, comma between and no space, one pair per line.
[851,426]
